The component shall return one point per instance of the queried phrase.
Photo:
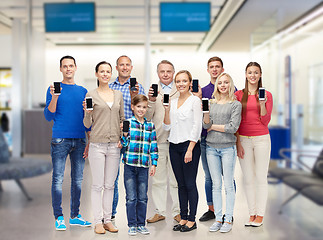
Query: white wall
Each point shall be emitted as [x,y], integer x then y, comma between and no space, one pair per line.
[5,50]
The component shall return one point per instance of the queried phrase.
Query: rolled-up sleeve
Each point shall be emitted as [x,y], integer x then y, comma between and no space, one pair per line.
[197,120]
[269,107]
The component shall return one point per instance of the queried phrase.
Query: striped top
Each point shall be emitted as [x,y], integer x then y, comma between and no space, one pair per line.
[141,144]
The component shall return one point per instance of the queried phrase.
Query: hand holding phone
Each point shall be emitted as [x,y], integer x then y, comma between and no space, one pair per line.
[57,88]
[166,99]
[89,103]
[205,105]
[195,87]
[262,94]
[133,82]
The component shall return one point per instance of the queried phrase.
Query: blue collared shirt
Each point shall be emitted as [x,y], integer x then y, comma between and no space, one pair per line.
[141,144]
[167,88]
[116,85]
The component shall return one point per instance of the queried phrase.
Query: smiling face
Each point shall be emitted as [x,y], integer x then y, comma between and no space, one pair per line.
[68,69]
[223,85]
[253,74]
[104,73]
[183,83]
[165,73]
[124,68]
[215,68]
[140,109]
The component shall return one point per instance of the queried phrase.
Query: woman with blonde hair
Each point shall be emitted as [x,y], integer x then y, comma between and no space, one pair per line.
[222,122]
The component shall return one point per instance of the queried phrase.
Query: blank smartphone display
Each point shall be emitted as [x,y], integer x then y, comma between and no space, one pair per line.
[195,85]
[205,104]
[155,88]
[133,82]
[89,103]
[126,126]
[261,94]
[166,99]
[57,88]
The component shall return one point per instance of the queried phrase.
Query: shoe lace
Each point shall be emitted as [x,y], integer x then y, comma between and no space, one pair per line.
[61,222]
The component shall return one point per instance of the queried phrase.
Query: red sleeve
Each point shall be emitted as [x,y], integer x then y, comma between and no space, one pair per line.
[269,107]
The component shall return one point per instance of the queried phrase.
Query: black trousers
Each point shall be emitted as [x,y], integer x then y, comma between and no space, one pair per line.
[185,174]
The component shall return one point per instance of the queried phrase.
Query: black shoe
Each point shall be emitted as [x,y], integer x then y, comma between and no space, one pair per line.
[188,229]
[207,216]
[178,227]
[113,217]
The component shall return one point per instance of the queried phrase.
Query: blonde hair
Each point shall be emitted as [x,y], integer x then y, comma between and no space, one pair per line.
[216,94]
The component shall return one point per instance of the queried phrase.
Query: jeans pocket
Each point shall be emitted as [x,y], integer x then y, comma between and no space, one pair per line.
[57,141]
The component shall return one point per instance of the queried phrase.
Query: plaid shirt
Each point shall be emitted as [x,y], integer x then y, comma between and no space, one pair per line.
[141,143]
[116,85]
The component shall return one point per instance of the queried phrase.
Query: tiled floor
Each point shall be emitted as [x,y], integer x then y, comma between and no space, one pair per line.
[22,219]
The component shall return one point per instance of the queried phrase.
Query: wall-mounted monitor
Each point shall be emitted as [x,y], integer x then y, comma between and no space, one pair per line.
[69,17]
[185,16]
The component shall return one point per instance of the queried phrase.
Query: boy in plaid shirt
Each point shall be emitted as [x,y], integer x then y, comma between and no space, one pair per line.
[141,151]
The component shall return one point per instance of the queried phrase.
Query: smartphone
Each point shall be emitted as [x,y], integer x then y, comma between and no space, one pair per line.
[166,99]
[195,85]
[89,103]
[261,94]
[57,88]
[133,82]
[125,127]
[155,88]
[205,105]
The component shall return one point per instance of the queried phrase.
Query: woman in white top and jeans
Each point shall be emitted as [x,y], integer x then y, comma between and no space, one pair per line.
[183,118]
[104,153]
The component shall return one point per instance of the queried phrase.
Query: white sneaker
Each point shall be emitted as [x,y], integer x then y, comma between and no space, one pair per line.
[226,227]
[215,227]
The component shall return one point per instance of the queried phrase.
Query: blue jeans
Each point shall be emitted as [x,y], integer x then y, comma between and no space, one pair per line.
[185,174]
[60,148]
[136,185]
[222,161]
[208,179]
[116,188]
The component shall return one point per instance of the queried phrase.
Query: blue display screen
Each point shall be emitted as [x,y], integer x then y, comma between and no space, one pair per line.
[185,16]
[69,17]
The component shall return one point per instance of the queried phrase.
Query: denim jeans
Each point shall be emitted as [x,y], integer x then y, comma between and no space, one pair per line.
[208,179]
[222,161]
[116,188]
[185,174]
[136,185]
[60,148]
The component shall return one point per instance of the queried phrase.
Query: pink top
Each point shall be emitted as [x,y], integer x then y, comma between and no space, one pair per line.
[252,124]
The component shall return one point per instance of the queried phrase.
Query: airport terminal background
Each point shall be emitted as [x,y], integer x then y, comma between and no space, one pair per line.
[292,63]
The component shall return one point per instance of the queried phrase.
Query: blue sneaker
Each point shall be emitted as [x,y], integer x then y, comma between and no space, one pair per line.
[216,226]
[132,231]
[143,230]
[79,221]
[60,224]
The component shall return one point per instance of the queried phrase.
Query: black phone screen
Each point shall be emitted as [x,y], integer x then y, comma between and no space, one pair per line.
[166,99]
[133,82]
[155,88]
[261,93]
[195,85]
[57,87]
[126,126]
[89,104]
[205,104]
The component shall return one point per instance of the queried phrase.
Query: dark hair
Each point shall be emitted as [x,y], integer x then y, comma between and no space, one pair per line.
[165,62]
[213,59]
[245,95]
[66,57]
[121,57]
[138,98]
[98,66]
[186,72]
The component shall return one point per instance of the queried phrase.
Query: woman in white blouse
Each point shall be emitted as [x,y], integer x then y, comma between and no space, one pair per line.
[183,118]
